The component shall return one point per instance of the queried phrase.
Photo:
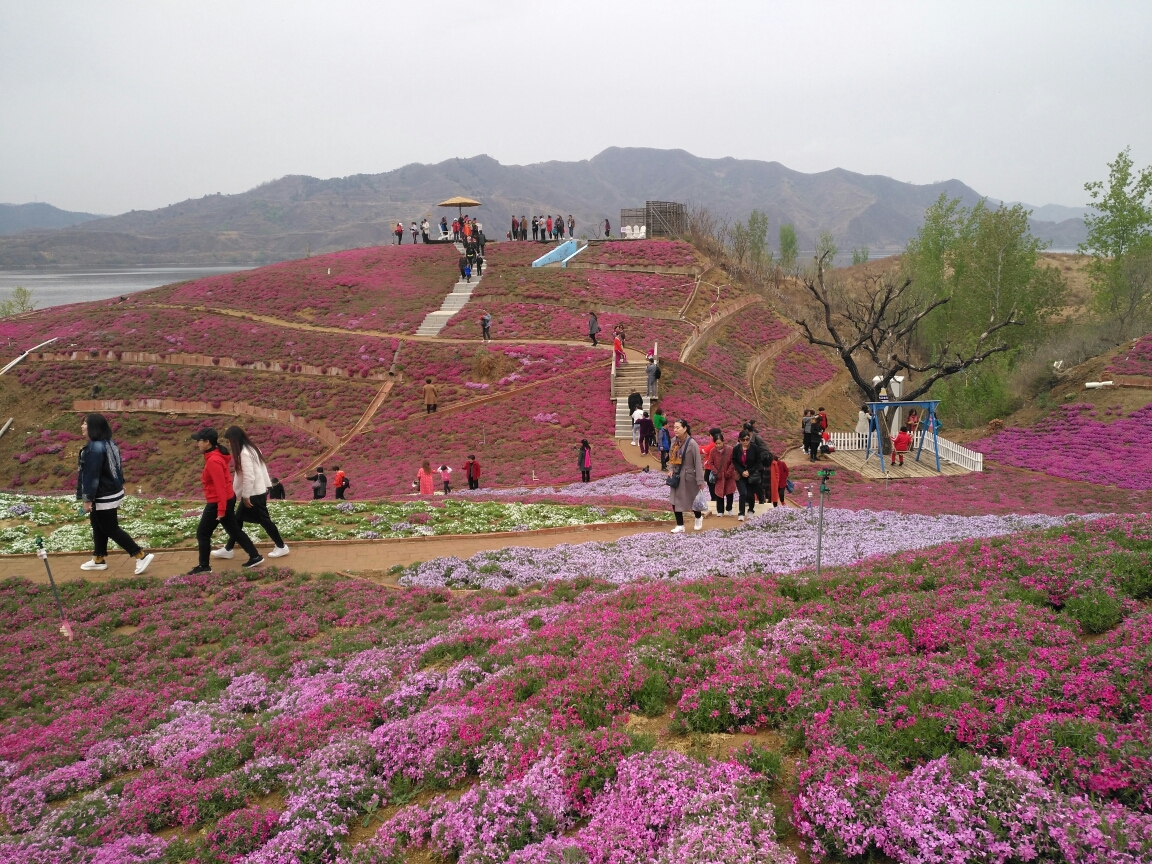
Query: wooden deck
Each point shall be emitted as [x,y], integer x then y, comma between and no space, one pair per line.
[853,460]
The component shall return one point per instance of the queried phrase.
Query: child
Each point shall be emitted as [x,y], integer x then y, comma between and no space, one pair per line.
[444,472]
[901,444]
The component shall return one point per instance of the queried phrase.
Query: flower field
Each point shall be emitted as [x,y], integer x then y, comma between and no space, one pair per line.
[1137,360]
[1074,442]
[800,368]
[389,288]
[163,523]
[981,700]
[338,403]
[585,289]
[112,326]
[704,404]
[737,341]
[641,253]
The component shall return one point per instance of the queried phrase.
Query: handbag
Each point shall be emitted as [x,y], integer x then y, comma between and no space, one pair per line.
[790,486]
[673,479]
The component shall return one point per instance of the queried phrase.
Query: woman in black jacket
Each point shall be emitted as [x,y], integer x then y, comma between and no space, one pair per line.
[746,460]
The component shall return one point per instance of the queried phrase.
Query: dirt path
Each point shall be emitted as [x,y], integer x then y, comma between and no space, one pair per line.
[351,556]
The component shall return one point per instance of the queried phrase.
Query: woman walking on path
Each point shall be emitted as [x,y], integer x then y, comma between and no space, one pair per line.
[220,506]
[778,476]
[425,478]
[723,472]
[688,475]
[250,484]
[746,465]
[584,460]
[100,485]
[618,350]
[319,483]
[593,327]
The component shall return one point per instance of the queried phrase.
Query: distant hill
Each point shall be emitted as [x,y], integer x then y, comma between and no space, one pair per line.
[297,215]
[15,218]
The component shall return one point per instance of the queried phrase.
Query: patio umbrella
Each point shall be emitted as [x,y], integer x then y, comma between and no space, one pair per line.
[460,202]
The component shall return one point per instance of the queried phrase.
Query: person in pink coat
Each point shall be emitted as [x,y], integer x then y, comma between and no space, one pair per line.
[425,478]
[723,473]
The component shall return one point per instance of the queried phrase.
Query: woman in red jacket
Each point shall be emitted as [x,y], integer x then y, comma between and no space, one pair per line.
[471,471]
[779,477]
[723,473]
[220,508]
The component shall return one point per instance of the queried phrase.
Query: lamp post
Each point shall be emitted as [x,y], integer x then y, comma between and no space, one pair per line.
[823,474]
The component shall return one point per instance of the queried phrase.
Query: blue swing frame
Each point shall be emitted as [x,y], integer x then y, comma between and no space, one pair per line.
[928,424]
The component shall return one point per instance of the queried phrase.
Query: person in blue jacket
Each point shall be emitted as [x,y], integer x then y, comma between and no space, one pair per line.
[100,486]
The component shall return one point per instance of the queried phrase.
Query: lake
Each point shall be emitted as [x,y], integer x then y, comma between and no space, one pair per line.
[58,287]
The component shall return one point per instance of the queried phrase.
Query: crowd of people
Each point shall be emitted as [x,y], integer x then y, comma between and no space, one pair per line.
[542,228]
[418,232]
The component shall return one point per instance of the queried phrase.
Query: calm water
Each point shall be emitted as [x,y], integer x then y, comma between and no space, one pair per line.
[57,287]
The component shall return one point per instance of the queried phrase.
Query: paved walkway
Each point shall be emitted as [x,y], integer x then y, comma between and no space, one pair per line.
[349,556]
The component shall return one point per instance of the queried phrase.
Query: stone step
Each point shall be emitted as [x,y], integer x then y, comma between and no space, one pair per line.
[623,420]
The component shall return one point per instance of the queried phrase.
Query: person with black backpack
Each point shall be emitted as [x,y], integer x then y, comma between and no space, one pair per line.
[764,462]
[653,372]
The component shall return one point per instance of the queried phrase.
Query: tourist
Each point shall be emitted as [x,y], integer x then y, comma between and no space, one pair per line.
[470,256]
[424,478]
[479,264]
[515,235]
[571,227]
[445,478]
[415,233]
[340,483]
[862,420]
[220,506]
[653,375]
[462,263]
[424,226]
[664,445]
[466,230]
[443,227]
[250,485]
[593,327]
[523,227]
[778,477]
[480,239]
[687,474]
[471,471]
[456,230]
[429,396]
[637,415]
[721,473]
[618,350]
[560,228]
[319,483]
[765,459]
[535,228]
[808,433]
[399,232]
[746,465]
[658,419]
[276,490]
[486,326]
[584,460]
[900,445]
[822,417]
[913,423]
[100,485]
[647,433]
[607,229]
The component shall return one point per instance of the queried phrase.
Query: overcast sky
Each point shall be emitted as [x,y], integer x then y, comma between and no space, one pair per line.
[113,106]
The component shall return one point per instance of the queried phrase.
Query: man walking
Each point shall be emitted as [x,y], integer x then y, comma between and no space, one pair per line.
[429,396]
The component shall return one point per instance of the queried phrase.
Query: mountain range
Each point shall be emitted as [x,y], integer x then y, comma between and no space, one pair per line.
[15,218]
[298,215]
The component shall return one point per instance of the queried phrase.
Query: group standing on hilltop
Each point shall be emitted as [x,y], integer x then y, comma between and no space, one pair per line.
[542,228]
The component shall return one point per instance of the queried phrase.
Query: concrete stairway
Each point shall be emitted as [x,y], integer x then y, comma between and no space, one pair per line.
[434,322]
[630,378]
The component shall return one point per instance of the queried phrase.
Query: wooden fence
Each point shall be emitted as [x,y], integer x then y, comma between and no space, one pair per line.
[205,361]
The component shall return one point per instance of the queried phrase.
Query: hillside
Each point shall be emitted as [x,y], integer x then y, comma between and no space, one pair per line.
[296,215]
[15,218]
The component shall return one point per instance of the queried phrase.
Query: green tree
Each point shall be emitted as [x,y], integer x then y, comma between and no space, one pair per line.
[789,247]
[758,253]
[859,256]
[1123,287]
[17,303]
[1123,215]
[826,247]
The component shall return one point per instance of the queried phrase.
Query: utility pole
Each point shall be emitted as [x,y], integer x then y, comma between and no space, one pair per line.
[823,475]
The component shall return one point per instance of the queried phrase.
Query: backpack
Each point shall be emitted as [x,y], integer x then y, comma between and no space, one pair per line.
[656,374]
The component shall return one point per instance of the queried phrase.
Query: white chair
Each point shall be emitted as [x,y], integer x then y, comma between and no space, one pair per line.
[643,232]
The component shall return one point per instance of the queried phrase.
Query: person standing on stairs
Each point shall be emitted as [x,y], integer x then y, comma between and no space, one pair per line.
[688,475]
[429,396]
[637,416]
[250,484]
[618,350]
[593,327]
[470,255]
[584,460]
[463,265]
[653,374]
[100,485]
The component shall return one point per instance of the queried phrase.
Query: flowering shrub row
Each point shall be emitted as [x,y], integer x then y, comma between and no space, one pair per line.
[387,288]
[800,368]
[736,342]
[1137,360]
[1071,442]
[587,289]
[919,695]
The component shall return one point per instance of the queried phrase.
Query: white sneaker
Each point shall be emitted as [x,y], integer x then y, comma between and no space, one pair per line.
[740,519]
[279,551]
[679,529]
[93,565]
[698,524]
[142,563]
[222,552]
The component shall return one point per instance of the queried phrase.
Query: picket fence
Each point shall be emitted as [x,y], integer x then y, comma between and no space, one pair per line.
[949,450]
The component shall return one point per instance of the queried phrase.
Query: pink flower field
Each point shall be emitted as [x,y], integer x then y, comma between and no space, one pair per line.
[1081,443]
[389,288]
[585,289]
[981,700]
[737,341]
[802,367]
[660,253]
[1136,360]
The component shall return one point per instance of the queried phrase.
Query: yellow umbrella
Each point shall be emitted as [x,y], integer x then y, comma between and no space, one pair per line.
[460,202]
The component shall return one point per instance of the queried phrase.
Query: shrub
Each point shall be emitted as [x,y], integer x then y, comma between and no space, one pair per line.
[1096,610]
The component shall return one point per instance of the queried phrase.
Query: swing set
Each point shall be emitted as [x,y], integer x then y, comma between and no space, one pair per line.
[928,425]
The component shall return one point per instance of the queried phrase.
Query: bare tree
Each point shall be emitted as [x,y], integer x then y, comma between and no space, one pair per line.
[878,324]
[707,231]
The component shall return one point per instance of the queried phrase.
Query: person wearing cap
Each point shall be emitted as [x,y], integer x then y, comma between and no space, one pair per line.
[220,506]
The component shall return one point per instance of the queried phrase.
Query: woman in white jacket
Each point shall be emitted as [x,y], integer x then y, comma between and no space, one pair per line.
[250,483]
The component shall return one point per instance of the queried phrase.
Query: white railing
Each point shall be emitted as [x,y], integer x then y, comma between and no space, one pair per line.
[949,450]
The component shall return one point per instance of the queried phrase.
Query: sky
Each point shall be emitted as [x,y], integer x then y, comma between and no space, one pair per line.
[114,106]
